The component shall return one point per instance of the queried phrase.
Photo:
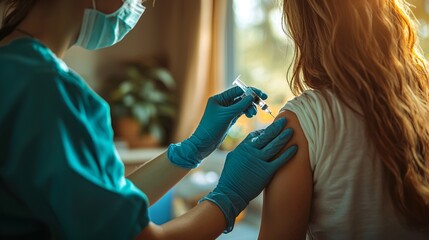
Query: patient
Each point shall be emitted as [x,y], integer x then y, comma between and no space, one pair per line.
[361,121]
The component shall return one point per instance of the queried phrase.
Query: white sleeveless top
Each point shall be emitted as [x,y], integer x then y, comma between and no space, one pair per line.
[350,196]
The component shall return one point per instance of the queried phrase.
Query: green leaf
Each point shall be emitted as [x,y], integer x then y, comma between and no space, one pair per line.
[123,89]
[133,73]
[128,100]
[165,77]
[157,131]
[157,97]
[167,110]
[141,113]
[151,109]
[126,87]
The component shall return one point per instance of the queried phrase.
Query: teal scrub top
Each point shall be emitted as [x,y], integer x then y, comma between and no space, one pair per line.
[60,175]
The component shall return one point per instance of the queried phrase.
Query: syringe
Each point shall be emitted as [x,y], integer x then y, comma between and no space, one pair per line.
[249,91]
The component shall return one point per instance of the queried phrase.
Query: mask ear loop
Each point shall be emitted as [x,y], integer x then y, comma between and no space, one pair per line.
[94,5]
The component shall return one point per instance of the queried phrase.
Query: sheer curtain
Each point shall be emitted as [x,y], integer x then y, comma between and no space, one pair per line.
[194,43]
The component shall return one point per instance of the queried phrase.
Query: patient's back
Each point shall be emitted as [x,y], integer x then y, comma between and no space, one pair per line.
[350,195]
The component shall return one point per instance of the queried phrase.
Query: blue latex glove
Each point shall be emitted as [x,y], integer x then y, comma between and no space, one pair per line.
[247,170]
[221,112]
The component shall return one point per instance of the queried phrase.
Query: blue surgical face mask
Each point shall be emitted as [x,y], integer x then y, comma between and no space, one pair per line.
[100,30]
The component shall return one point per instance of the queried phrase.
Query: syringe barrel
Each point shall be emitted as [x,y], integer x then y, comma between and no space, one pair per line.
[249,91]
[258,101]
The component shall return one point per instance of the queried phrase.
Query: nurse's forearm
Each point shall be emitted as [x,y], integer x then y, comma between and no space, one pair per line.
[157,176]
[204,221]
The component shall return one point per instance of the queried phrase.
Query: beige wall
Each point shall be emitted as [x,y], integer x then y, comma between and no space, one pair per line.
[159,33]
[142,41]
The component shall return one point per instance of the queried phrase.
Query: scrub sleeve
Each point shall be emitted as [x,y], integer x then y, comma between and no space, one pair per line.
[60,170]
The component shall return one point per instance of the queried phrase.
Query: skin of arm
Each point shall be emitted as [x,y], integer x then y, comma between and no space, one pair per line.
[287,199]
[188,226]
[204,221]
[157,176]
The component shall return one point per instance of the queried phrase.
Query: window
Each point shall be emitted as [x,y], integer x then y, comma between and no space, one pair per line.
[420,9]
[259,50]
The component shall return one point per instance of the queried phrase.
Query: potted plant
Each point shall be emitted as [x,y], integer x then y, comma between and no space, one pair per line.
[142,105]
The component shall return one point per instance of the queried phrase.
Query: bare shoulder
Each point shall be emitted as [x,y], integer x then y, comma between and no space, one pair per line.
[287,199]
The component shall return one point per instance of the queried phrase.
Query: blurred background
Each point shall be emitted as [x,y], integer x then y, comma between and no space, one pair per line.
[158,79]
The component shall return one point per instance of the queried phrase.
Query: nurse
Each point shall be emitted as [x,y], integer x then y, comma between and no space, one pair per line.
[60,176]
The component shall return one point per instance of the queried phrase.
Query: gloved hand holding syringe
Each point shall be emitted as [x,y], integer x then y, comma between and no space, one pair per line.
[249,91]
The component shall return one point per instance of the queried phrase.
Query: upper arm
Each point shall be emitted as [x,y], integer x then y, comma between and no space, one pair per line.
[287,199]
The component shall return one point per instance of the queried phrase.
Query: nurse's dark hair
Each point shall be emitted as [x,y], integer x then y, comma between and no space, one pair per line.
[14,12]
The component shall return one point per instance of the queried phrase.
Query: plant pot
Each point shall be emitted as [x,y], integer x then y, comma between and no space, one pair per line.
[128,129]
[145,141]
